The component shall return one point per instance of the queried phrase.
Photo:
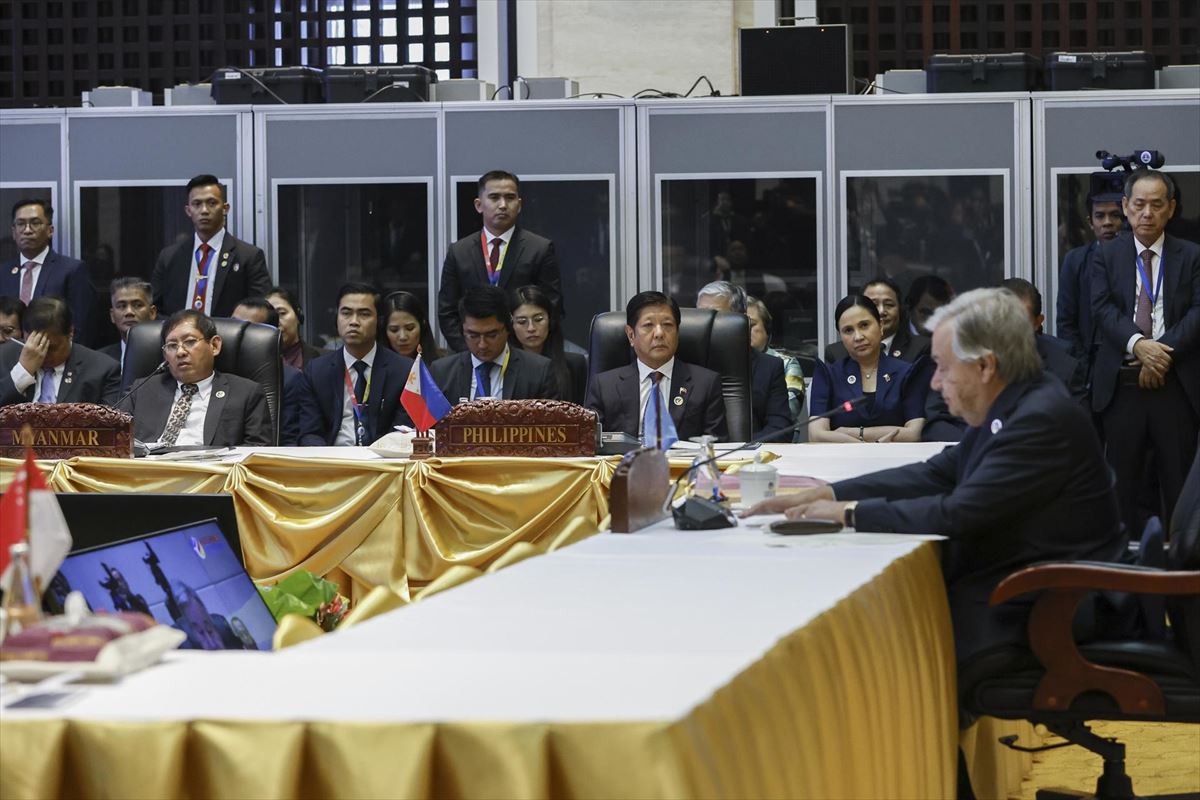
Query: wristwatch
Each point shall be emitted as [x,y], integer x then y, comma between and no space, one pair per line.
[848,513]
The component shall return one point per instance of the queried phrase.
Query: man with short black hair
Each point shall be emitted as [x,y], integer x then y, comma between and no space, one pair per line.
[899,341]
[352,394]
[1055,353]
[49,367]
[130,298]
[489,367]
[213,270]
[501,254]
[193,404]
[691,394]
[1074,308]
[39,271]
[11,312]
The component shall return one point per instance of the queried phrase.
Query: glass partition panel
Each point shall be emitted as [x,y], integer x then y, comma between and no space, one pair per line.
[574,213]
[10,195]
[760,233]
[331,233]
[930,227]
[122,229]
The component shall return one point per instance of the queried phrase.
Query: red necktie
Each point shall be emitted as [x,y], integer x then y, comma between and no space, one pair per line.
[27,282]
[494,261]
[202,259]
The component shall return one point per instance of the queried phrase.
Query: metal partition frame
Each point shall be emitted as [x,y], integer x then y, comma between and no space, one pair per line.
[1110,122]
[22,162]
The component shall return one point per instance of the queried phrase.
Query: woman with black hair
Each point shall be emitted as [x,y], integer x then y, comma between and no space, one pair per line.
[296,351]
[406,326]
[894,408]
[538,329]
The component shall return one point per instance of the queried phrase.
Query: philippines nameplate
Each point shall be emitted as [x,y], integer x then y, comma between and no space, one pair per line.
[65,430]
[520,428]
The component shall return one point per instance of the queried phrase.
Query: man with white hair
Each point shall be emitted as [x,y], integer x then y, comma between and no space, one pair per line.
[1027,483]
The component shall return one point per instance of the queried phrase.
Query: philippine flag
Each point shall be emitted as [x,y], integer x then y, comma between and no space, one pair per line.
[422,399]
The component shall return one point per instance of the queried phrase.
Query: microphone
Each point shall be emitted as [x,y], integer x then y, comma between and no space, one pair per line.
[702,513]
[140,382]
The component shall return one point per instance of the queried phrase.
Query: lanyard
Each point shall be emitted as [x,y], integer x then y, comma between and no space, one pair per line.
[360,425]
[1153,295]
[493,270]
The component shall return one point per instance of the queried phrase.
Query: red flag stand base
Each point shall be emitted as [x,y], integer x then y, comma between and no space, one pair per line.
[422,446]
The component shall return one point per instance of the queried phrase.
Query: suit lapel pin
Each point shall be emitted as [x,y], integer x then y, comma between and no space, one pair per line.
[219,393]
[896,353]
[236,266]
[678,400]
[224,256]
[997,425]
[67,378]
[15,270]
[850,379]
[887,378]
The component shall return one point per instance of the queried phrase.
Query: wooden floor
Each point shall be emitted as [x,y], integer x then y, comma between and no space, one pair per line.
[1161,759]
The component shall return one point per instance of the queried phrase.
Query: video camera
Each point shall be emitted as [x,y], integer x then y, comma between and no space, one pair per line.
[1109,185]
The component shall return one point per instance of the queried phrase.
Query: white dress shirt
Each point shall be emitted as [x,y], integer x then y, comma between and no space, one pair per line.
[1156,313]
[346,432]
[22,380]
[215,243]
[505,238]
[495,374]
[192,431]
[645,384]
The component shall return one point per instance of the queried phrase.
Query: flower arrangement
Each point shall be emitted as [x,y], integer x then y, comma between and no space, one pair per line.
[307,595]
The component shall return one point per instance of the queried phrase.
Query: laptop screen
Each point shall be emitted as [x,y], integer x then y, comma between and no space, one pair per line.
[187,578]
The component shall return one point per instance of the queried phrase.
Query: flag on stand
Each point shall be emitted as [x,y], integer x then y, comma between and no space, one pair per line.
[29,512]
[422,399]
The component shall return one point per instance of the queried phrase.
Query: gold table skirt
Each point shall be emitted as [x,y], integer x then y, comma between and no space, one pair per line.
[859,703]
[363,524]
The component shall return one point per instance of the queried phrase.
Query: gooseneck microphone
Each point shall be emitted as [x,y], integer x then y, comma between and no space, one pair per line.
[702,513]
[140,382]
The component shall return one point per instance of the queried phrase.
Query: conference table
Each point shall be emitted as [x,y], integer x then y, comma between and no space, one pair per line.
[657,664]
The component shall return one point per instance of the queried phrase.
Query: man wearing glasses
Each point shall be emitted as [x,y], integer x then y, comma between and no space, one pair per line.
[41,272]
[193,403]
[490,368]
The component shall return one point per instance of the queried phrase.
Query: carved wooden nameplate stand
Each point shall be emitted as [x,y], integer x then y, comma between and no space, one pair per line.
[65,430]
[520,428]
[639,486]
[422,446]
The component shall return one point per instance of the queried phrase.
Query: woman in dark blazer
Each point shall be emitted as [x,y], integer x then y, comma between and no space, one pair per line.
[538,329]
[894,408]
[405,327]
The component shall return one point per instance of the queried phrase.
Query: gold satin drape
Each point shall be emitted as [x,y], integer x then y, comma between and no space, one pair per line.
[858,703]
[363,524]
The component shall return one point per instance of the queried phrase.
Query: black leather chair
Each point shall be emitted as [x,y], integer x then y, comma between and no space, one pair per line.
[249,350]
[1063,685]
[717,340]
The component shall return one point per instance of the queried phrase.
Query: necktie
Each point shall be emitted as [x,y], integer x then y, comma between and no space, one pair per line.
[494,261]
[27,282]
[1144,316]
[360,397]
[483,380]
[48,395]
[202,259]
[652,422]
[179,413]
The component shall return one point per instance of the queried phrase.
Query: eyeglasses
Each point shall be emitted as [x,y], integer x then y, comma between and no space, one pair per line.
[536,319]
[189,344]
[29,224]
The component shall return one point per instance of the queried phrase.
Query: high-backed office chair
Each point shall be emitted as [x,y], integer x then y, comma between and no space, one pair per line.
[249,350]
[717,340]
[1063,685]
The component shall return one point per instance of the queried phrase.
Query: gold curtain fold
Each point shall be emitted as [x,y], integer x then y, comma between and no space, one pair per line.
[858,703]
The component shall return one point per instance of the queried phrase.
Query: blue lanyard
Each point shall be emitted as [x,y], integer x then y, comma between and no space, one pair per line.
[1153,295]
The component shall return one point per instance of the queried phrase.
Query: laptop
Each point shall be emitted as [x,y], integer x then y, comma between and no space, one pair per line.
[186,577]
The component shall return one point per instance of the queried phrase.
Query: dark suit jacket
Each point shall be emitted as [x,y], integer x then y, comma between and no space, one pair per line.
[1113,293]
[528,376]
[897,399]
[88,377]
[530,260]
[616,396]
[1028,485]
[905,346]
[577,367]
[324,394]
[294,389]
[237,411]
[1058,360]
[1073,310]
[769,396]
[61,276]
[238,271]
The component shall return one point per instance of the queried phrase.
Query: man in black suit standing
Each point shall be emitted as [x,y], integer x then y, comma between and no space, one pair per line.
[1027,483]
[691,393]
[1146,378]
[1055,353]
[352,394]
[41,272]
[193,403]
[499,255]
[1074,308]
[898,339]
[49,367]
[213,270]
[490,368]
